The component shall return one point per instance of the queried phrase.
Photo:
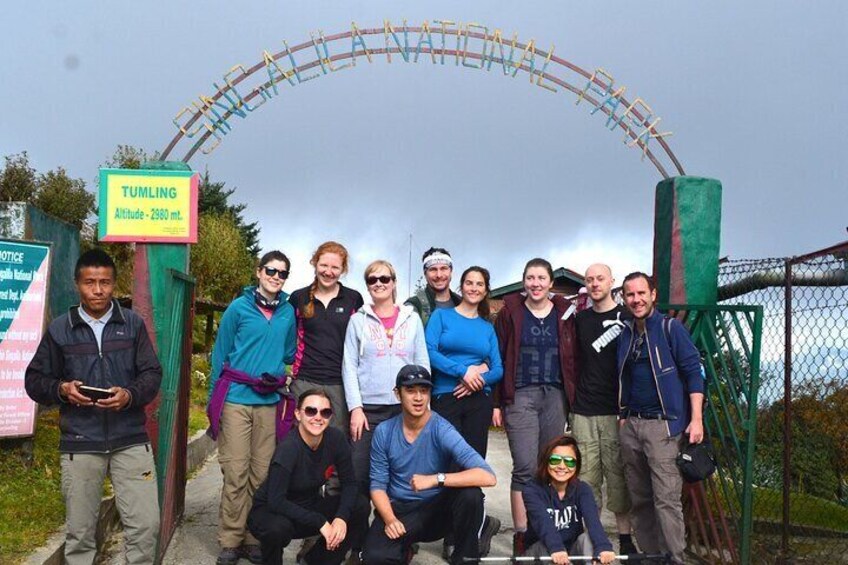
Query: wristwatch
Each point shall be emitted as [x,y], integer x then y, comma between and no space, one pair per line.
[440,477]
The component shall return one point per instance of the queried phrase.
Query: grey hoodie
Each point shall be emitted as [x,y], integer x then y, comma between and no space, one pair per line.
[370,364]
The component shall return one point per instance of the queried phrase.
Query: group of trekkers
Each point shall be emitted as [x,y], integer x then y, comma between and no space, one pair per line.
[393,404]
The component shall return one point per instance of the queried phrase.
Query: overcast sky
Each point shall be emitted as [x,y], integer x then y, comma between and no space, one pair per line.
[496,170]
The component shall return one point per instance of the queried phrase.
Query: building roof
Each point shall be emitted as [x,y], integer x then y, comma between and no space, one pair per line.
[561,275]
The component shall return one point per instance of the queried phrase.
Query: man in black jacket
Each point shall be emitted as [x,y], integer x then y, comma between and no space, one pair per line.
[101,345]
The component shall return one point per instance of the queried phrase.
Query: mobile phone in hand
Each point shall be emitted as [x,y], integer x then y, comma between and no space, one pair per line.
[95,393]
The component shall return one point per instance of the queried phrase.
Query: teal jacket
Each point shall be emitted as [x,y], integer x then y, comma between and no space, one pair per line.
[249,342]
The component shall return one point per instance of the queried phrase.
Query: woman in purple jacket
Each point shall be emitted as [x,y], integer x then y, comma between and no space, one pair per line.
[559,507]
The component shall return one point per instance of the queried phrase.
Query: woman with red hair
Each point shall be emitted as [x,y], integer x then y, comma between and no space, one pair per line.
[323,310]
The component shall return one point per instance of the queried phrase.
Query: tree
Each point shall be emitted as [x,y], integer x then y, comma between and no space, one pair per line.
[220,261]
[64,197]
[129,157]
[819,440]
[18,180]
[214,199]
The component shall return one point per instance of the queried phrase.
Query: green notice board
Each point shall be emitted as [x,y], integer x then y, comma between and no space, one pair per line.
[24,272]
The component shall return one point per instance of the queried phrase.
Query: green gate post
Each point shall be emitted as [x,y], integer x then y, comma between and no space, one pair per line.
[687,226]
[687,231]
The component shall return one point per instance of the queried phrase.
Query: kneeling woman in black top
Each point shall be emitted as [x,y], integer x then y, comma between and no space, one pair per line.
[559,505]
[292,503]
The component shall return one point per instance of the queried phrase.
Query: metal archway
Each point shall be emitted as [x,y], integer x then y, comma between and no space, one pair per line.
[207,122]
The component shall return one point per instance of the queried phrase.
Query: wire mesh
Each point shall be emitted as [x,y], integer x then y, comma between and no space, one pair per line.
[800,502]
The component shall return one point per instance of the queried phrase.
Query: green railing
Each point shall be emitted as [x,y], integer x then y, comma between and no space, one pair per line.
[720,512]
[173,408]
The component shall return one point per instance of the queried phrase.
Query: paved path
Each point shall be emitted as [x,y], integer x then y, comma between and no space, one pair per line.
[195,540]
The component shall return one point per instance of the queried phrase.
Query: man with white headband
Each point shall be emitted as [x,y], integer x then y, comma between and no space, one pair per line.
[438,270]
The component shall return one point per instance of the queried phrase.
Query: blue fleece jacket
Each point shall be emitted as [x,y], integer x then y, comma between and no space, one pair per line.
[249,342]
[454,343]
[675,364]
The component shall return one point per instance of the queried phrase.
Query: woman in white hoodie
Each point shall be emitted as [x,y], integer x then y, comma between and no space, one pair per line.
[381,338]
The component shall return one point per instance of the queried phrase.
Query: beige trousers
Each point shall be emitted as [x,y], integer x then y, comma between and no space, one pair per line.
[601,459]
[133,477]
[246,443]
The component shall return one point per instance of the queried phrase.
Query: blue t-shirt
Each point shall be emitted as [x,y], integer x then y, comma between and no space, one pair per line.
[437,449]
[454,343]
[538,359]
[643,389]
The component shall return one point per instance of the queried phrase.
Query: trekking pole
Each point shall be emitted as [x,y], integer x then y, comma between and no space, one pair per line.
[636,558]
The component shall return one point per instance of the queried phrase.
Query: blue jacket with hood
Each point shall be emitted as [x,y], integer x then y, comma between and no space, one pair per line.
[675,364]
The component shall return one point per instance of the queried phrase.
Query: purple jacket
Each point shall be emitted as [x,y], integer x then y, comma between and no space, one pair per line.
[267,384]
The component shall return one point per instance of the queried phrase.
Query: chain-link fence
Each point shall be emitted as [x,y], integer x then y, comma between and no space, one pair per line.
[800,474]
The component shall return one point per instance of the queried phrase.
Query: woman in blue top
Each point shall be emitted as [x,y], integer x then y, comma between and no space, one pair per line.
[256,339]
[560,507]
[466,361]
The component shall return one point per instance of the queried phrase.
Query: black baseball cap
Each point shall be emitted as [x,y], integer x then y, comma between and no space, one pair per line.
[411,375]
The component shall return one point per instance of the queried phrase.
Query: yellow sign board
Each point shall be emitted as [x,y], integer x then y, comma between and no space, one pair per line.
[148,206]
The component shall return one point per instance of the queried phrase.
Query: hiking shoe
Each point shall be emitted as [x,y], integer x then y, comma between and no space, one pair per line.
[252,553]
[228,556]
[490,528]
[447,550]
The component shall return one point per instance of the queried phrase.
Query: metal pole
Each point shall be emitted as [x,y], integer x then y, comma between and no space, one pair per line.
[787,409]
[409,269]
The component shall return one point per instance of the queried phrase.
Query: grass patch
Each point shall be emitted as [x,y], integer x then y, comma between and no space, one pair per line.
[199,393]
[196,420]
[804,509]
[31,506]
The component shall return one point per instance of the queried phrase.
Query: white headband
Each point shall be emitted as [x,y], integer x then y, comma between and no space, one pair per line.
[437,258]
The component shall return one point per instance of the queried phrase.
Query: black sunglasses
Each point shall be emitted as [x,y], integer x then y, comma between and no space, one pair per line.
[311,412]
[385,279]
[282,274]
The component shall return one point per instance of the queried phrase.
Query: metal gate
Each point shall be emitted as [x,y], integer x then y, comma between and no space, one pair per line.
[719,510]
[173,407]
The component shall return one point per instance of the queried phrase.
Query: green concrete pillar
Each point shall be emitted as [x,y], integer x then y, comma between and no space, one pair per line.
[687,229]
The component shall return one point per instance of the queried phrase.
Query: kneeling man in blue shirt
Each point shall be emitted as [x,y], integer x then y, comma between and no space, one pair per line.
[415,496]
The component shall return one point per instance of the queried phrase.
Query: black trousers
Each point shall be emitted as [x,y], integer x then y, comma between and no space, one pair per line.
[275,531]
[471,416]
[361,450]
[456,510]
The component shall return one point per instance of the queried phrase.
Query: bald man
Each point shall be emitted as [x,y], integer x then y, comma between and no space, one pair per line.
[595,410]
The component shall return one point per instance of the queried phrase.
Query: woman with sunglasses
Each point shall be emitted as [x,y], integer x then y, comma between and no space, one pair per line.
[256,339]
[538,342]
[323,311]
[561,508]
[381,338]
[290,504]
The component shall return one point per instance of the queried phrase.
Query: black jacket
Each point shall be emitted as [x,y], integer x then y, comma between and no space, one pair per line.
[68,351]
